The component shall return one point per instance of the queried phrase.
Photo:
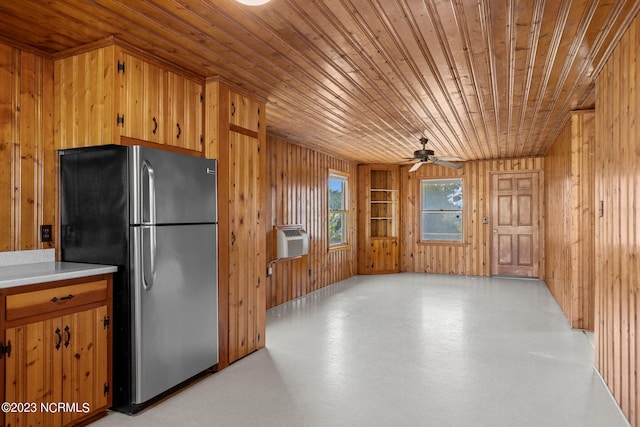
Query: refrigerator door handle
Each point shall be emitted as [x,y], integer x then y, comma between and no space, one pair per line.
[148,180]
[149,244]
[148,249]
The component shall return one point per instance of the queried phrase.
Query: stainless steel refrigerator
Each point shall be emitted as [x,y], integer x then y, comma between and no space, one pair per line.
[153,213]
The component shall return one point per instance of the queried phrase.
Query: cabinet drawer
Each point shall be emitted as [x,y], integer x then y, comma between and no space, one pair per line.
[53,299]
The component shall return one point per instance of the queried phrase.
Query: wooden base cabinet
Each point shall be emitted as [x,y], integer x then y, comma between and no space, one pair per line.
[378,219]
[383,255]
[58,370]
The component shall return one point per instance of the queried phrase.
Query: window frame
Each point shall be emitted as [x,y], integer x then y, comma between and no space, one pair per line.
[422,211]
[344,212]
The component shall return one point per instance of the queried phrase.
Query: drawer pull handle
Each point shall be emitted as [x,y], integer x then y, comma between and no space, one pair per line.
[56,299]
[59,343]
[68,331]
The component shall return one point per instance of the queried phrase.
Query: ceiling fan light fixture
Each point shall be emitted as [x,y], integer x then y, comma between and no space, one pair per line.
[253,2]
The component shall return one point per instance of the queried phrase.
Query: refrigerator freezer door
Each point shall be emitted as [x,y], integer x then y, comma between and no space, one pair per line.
[171,188]
[175,306]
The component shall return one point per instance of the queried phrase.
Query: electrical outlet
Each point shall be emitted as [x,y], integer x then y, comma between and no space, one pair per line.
[45,233]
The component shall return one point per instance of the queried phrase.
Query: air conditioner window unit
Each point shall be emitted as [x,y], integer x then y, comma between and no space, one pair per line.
[292,242]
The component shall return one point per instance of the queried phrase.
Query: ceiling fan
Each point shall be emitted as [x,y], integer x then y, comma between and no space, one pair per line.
[426,156]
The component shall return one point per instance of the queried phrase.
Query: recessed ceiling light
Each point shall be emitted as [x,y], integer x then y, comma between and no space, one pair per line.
[253,2]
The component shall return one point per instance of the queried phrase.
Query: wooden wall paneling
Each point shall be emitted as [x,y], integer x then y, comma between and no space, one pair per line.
[7,109]
[473,256]
[298,195]
[582,219]
[409,251]
[632,268]
[27,179]
[627,290]
[433,258]
[48,191]
[617,183]
[557,231]
[271,201]
[25,154]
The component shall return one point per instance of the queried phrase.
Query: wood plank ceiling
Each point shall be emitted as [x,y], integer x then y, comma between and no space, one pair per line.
[364,79]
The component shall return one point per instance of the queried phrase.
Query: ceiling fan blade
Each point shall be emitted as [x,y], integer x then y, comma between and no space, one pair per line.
[451,158]
[416,166]
[447,164]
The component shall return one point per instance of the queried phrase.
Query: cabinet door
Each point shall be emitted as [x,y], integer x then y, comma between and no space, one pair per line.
[84,363]
[60,360]
[184,112]
[34,371]
[87,98]
[246,250]
[244,111]
[142,108]
[384,256]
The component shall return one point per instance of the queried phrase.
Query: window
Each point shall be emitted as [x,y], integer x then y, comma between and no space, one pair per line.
[441,209]
[338,184]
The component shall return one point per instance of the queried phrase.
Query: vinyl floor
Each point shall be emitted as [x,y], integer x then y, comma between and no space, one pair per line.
[405,349]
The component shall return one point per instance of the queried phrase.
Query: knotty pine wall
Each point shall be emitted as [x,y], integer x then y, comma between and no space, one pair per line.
[617,230]
[473,256]
[297,181]
[27,158]
[569,225]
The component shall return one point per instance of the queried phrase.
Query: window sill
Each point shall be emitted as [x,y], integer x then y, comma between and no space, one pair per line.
[441,243]
[338,248]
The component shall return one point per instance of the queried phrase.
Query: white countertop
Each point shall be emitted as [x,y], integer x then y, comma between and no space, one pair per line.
[20,268]
[29,274]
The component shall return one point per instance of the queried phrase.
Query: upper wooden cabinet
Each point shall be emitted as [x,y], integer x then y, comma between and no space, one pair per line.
[378,219]
[107,93]
[244,112]
[184,110]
